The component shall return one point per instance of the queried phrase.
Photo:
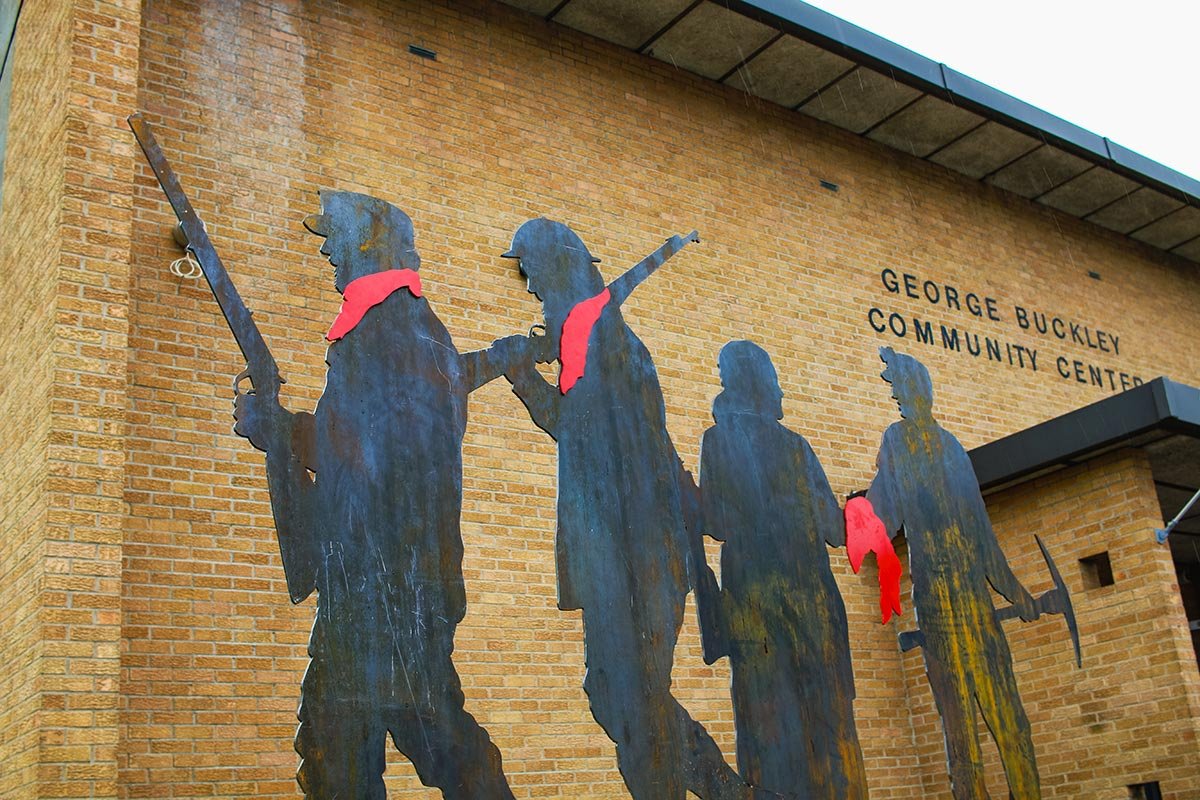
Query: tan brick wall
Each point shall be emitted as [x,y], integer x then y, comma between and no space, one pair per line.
[261,104]
[66,256]
[86,514]
[33,190]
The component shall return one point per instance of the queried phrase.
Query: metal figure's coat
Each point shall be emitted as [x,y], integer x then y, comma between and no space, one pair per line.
[621,547]
[379,530]
[766,497]
[926,485]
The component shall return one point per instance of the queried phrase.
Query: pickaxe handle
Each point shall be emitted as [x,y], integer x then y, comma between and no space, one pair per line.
[1043,604]
[1055,601]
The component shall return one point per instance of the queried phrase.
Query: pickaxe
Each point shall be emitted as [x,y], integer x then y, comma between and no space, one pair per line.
[1055,601]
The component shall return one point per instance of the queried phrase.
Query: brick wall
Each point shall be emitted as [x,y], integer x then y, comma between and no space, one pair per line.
[33,200]
[86,511]
[67,213]
[151,507]
[515,119]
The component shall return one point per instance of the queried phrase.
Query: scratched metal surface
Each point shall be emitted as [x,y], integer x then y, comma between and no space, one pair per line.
[376,512]
[766,497]
[926,486]
[621,546]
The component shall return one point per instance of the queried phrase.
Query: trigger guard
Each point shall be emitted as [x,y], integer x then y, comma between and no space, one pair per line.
[237,382]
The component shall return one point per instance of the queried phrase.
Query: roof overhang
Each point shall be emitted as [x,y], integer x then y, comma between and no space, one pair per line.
[1144,416]
[1162,418]
[798,56]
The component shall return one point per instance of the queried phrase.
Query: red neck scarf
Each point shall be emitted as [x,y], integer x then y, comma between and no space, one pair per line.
[363,294]
[573,344]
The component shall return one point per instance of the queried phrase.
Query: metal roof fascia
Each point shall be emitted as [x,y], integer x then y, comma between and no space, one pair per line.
[1160,404]
[1182,402]
[839,36]
[1162,175]
[1028,118]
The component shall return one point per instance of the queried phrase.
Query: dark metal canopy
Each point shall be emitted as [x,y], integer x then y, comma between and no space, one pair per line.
[792,54]
[1161,417]
[1145,415]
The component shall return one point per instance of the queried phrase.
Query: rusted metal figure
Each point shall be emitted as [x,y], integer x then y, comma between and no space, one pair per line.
[925,486]
[766,497]
[379,525]
[1054,601]
[621,548]
[366,495]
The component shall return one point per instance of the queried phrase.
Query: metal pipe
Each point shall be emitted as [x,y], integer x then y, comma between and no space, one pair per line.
[1161,534]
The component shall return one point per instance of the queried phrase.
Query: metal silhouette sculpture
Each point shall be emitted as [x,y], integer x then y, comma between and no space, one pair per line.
[366,494]
[925,485]
[367,491]
[621,547]
[765,496]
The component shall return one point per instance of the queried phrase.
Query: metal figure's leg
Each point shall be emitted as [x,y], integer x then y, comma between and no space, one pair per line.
[448,748]
[341,747]
[955,704]
[1005,717]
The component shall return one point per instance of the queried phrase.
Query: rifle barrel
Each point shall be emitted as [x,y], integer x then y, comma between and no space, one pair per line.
[623,285]
[261,366]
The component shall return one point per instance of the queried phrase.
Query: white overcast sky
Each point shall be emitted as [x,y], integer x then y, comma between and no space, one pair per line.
[1129,71]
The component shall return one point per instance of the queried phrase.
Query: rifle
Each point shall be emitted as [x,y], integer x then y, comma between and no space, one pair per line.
[284,469]
[623,285]
[484,367]
[261,368]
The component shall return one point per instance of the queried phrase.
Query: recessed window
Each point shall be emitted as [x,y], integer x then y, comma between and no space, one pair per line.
[1145,791]
[1097,570]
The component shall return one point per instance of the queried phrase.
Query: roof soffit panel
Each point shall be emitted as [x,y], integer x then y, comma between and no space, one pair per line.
[859,100]
[789,71]
[984,150]
[1022,115]
[711,41]
[1088,192]
[1135,210]
[539,7]
[629,23]
[1174,463]
[783,51]
[1039,171]
[1189,249]
[924,126]
[1172,230]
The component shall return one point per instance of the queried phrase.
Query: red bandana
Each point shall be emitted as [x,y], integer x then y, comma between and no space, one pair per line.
[865,531]
[363,294]
[573,344]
